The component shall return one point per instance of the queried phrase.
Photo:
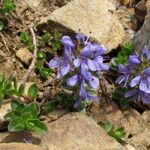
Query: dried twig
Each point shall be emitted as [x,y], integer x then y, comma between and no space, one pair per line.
[32,65]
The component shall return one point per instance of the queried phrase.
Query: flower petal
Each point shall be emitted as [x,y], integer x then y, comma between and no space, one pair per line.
[55,62]
[93,66]
[135,81]
[120,79]
[144,86]
[63,70]
[131,93]
[77,62]
[66,40]
[134,59]
[147,71]
[94,82]
[146,98]
[72,81]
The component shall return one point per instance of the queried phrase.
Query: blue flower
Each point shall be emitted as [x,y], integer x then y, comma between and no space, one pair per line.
[63,66]
[146,51]
[139,95]
[68,46]
[143,81]
[84,95]
[134,59]
[125,71]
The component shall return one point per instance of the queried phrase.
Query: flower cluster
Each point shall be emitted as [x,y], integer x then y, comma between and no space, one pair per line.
[81,61]
[136,75]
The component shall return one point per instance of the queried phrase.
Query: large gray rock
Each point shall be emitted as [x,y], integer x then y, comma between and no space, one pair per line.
[78,132]
[19,146]
[73,131]
[89,16]
[143,36]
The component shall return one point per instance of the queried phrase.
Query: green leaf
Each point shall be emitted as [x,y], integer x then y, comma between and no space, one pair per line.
[36,125]
[31,47]
[25,38]
[16,125]
[106,125]
[67,99]
[16,106]
[33,91]
[7,6]
[1,25]
[118,96]
[27,116]
[41,55]
[45,72]
[20,90]
[46,38]
[2,78]
[12,115]
[50,106]
[34,108]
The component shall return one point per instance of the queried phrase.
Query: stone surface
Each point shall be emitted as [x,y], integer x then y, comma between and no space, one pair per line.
[142,37]
[146,116]
[73,131]
[33,3]
[19,146]
[130,119]
[3,110]
[89,16]
[24,55]
[78,132]
[141,139]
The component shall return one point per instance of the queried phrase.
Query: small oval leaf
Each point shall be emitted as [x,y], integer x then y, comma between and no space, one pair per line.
[33,91]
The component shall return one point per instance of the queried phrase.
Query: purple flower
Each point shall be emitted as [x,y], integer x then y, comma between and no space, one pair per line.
[63,66]
[89,60]
[125,70]
[84,95]
[68,46]
[143,81]
[134,59]
[79,78]
[139,95]
[146,51]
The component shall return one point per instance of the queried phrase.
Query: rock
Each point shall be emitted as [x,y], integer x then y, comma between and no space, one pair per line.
[115,3]
[24,55]
[146,116]
[59,3]
[78,132]
[33,3]
[19,146]
[3,110]
[140,10]
[56,114]
[129,147]
[130,119]
[89,16]
[135,124]
[142,37]
[141,139]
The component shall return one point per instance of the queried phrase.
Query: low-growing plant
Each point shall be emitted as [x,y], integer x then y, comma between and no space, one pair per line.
[52,40]
[22,116]
[122,57]
[79,66]
[9,87]
[26,39]
[116,133]
[25,118]
[135,76]
[7,7]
